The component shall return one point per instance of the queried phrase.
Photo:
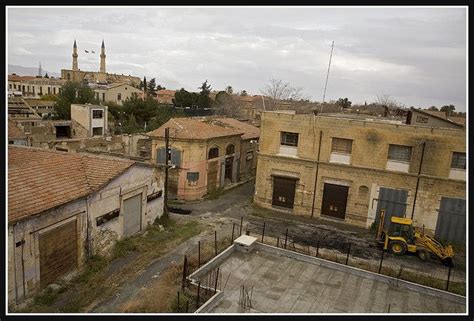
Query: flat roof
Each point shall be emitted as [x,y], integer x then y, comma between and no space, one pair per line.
[294,283]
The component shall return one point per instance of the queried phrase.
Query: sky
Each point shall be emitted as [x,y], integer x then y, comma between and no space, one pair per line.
[416,55]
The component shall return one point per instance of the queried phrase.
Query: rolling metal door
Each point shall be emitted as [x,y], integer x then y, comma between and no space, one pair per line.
[284,191]
[58,252]
[451,224]
[132,215]
[334,200]
[393,201]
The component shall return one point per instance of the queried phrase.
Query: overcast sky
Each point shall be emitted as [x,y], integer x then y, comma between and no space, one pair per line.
[415,55]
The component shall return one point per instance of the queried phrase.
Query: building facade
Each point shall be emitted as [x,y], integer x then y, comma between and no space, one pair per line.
[116,93]
[206,153]
[92,117]
[349,170]
[73,206]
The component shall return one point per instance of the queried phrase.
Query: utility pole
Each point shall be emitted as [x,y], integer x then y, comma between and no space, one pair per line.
[418,179]
[327,76]
[167,142]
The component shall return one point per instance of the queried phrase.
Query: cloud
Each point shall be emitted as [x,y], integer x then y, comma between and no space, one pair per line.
[415,54]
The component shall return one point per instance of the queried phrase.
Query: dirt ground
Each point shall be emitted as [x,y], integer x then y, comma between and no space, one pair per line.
[147,279]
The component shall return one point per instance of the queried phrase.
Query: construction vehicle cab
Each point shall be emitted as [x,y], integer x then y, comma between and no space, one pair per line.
[401,238]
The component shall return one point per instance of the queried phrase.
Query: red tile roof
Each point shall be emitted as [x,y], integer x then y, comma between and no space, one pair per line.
[14,131]
[15,77]
[249,130]
[194,128]
[41,179]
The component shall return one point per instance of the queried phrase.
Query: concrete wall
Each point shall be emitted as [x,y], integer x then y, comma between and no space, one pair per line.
[111,94]
[367,168]
[81,115]
[432,121]
[23,260]
[194,159]
[136,180]
[248,168]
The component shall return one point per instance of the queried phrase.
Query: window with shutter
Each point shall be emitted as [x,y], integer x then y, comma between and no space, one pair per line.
[341,145]
[458,161]
[399,153]
[161,156]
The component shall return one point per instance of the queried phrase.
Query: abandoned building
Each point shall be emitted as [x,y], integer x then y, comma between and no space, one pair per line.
[22,114]
[433,118]
[44,108]
[207,153]
[91,117]
[16,135]
[116,92]
[351,168]
[66,207]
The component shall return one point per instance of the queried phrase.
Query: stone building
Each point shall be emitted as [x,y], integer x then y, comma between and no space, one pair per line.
[206,153]
[101,76]
[116,93]
[16,135]
[349,169]
[64,208]
[432,118]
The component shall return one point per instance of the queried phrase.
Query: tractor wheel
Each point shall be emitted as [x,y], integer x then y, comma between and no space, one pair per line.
[397,247]
[424,255]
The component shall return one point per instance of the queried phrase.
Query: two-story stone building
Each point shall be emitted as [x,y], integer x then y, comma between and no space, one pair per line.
[349,169]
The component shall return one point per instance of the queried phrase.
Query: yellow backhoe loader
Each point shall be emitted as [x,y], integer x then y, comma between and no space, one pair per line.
[401,237]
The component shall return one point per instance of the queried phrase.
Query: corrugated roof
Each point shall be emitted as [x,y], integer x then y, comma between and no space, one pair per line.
[194,128]
[41,179]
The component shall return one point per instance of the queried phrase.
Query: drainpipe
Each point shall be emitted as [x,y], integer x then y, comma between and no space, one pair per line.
[418,180]
[317,170]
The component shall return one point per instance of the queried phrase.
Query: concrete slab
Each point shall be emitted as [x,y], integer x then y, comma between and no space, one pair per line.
[284,284]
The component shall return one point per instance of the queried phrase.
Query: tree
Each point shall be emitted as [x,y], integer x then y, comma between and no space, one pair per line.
[278,90]
[144,84]
[72,93]
[433,108]
[344,102]
[243,93]
[159,87]
[46,75]
[151,86]
[387,101]
[448,109]
[229,90]
[225,104]
[204,99]
[183,98]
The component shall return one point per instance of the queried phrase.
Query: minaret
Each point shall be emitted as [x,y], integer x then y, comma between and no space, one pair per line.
[102,58]
[74,56]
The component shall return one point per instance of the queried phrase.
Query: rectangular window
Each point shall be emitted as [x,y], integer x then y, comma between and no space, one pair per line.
[97,114]
[49,90]
[153,196]
[41,90]
[33,89]
[289,139]
[119,96]
[96,131]
[459,160]
[54,90]
[192,176]
[422,119]
[399,153]
[341,145]
[107,217]
[103,96]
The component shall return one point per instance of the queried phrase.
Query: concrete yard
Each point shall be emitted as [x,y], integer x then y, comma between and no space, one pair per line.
[282,284]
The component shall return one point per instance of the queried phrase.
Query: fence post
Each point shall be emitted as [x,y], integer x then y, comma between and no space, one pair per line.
[187,306]
[184,272]
[278,241]
[217,277]
[199,253]
[241,222]
[348,252]
[317,248]
[263,231]
[286,237]
[381,261]
[232,239]
[449,275]
[178,301]
[215,242]
[197,299]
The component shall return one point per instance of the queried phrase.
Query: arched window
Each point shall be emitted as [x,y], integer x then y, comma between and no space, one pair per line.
[230,149]
[363,193]
[68,76]
[213,153]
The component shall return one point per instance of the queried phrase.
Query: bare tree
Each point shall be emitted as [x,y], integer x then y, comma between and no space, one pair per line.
[386,100]
[278,91]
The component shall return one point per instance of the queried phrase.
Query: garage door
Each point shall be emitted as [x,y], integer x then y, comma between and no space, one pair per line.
[132,215]
[58,252]
[393,201]
[451,224]
[334,200]
[284,191]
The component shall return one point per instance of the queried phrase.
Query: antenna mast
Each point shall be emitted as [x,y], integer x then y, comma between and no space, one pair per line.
[40,71]
[327,76]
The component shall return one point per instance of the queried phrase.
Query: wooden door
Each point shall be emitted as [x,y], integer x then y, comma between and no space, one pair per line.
[284,191]
[334,200]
